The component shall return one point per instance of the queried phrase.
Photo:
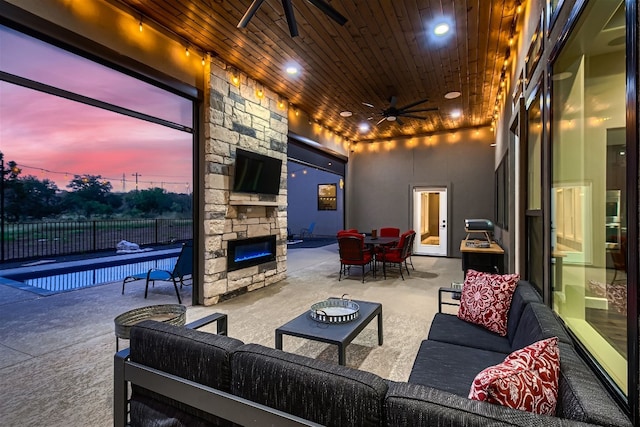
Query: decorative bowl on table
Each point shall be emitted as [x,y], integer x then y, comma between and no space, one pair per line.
[335,310]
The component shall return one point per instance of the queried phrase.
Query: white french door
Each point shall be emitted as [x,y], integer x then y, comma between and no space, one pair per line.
[430,220]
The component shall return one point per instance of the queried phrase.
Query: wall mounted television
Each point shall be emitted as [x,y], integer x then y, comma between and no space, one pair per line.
[256,173]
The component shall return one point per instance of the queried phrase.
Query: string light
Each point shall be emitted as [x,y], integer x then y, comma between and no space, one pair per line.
[186,51]
[235,78]
[140,25]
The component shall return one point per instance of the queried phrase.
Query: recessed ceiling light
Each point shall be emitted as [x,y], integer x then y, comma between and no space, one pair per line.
[346,113]
[364,127]
[292,68]
[441,29]
[456,114]
[452,95]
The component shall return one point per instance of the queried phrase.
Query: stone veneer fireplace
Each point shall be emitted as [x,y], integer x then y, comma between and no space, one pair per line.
[237,118]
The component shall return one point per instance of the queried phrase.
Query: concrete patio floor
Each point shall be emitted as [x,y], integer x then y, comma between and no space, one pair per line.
[56,352]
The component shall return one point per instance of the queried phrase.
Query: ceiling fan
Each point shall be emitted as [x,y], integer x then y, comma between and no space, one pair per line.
[288,11]
[394,114]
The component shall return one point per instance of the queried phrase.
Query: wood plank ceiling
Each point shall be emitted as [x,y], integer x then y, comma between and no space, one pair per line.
[385,49]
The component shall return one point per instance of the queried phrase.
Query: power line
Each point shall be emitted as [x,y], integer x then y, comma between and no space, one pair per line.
[67,174]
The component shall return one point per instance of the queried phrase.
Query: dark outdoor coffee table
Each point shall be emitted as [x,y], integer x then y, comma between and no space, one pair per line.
[340,334]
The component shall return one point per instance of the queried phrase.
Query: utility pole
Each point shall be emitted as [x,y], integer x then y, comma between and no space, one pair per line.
[124,183]
[136,175]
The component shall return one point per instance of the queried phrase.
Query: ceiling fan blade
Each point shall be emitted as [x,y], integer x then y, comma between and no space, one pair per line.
[249,13]
[329,11]
[413,104]
[291,19]
[400,122]
[393,101]
[381,120]
[368,105]
[421,110]
[411,116]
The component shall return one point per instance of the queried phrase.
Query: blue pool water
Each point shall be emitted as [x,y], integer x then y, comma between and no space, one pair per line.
[47,283]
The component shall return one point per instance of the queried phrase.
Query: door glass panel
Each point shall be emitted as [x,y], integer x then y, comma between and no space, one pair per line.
[431,213]
[534,250]
[533,231]
[430,221]
[534,154]
[588,194]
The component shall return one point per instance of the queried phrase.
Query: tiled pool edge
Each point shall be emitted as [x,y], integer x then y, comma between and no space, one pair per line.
[24,287]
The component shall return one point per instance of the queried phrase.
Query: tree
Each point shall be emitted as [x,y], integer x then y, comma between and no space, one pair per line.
[90,187]
[91,195]
[152,201]
[28,197]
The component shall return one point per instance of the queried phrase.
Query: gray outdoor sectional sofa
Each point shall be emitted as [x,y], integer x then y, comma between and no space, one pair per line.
[198,377]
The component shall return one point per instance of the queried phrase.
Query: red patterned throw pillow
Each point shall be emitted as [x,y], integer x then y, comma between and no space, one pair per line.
[526,380]
[486,298]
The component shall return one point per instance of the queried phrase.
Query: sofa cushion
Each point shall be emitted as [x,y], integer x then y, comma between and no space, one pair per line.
[581,396]
[194,355]
[315,390]
[417,405]
[524,294]
[449,328]
[526,380]
[450,367]
[538,322]
[486,298]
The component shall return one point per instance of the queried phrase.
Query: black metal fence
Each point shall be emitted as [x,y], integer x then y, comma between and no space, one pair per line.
[28,240]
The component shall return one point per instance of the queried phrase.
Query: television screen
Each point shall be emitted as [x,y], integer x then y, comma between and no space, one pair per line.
[256,173]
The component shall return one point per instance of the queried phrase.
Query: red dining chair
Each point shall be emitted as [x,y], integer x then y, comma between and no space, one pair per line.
[346,233]
[389,232]
[396,255]
[349,231]
[353,252]
[411,247]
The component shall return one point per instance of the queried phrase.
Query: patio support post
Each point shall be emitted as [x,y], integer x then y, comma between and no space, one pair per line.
[1,207]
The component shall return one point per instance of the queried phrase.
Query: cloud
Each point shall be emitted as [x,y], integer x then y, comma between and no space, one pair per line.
[49,133]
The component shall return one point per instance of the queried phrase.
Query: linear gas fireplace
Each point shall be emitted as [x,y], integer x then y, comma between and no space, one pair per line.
[245,253]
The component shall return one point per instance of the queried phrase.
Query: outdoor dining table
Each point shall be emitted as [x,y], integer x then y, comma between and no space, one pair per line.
[380,241]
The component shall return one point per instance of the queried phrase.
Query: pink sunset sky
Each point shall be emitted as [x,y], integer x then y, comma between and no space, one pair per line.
[56,138]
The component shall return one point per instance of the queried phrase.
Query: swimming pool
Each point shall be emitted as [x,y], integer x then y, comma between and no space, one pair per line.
[61,278]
